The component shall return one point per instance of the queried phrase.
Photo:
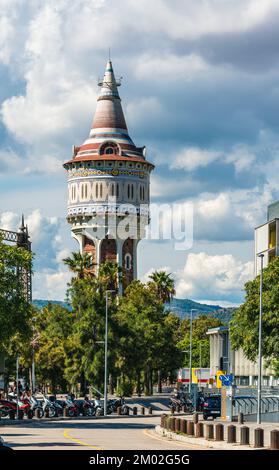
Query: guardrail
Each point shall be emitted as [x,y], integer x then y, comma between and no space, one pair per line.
[248,405]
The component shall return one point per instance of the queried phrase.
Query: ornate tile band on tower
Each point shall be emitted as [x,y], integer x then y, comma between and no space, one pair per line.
[108,181]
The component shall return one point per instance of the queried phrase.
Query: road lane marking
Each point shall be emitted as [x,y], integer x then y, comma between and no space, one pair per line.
[145,431]
[78,441]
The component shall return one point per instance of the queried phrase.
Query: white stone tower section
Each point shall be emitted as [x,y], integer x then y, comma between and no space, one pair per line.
[108,186]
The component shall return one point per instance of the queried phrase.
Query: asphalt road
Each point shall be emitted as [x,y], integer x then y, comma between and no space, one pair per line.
[102,434]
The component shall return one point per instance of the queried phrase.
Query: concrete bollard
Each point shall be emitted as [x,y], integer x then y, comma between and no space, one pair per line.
[119,410]
[168,423]
[65,412]
[258,437]
[199,430]
[183,426]
[177,408]
[142,410]
[240,418]
[163,421]
[172,409]
[177,424]
[231,439]
[172,424]
[219,432]
[150,410]
[244,435]
[135,411]
[209,432]
[274,440]
[190,428]
[128,411]
[196,418]
[184,408]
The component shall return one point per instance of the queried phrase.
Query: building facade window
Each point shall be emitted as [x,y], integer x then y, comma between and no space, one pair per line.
[128,261]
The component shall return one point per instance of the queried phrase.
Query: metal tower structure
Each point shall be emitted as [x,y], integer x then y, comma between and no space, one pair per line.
[21,239]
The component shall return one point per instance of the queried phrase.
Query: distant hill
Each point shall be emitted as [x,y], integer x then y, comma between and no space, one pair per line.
[181,307]
[39,303]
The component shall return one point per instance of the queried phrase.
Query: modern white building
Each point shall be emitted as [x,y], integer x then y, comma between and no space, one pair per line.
[223,357]
[267,238]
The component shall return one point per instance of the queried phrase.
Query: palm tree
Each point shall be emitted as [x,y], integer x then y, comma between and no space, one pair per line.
[109,275]
[164,285]
[80,263]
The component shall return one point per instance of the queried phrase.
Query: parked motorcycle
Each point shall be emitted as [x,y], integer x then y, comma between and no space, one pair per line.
[113,406]
[48,407]
[57,404]
[36,405]
[9,407]
[72,407]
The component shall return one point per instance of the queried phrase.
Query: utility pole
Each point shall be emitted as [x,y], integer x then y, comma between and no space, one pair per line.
[106,356]
[261,256]
[191,335]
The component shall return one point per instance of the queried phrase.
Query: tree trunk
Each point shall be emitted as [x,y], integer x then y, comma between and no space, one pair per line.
[138,384]
[146,382]
[159,389]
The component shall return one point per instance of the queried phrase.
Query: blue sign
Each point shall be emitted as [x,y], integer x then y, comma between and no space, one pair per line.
[226,379]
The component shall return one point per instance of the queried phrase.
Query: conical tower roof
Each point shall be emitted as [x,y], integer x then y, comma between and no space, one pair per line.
[108,126]
[109,114]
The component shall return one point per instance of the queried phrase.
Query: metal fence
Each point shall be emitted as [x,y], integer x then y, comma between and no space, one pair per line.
[248,405]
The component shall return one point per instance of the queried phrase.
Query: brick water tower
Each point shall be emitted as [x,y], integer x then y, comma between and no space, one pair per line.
[108,186]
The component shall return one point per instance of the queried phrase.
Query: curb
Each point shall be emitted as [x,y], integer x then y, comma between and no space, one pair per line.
[10,422]
[200,441]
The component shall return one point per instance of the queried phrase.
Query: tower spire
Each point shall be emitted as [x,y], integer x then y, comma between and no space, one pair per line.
[109,113]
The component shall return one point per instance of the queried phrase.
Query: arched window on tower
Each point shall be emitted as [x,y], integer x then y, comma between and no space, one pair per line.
[109,148]
[97,190]
[117,190]
[132,191]
[101,190]
[128,191]
[128,261]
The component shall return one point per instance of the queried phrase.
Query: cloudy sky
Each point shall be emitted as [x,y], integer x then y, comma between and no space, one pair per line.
[200,90]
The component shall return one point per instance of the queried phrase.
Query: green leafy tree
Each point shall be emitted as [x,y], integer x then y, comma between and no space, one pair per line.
[244,327]
[80,264]
[145,344]
[15,311]
[53,325]
[163,284]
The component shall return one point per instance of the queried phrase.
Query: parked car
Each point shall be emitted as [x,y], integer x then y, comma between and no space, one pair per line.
[212,407]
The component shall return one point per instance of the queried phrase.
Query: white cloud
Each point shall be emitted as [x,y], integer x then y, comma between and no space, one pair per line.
[168,67]
[212,277]
[51,285]
[192,158]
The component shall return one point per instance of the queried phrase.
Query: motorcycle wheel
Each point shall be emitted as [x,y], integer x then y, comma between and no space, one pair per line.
[125,410]
[51,412]
[99,412]
[5,411]
[71,412]
[89,412]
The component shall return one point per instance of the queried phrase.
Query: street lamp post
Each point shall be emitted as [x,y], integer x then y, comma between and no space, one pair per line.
[106,356]
[17,387]
[261,256]
[190,365]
